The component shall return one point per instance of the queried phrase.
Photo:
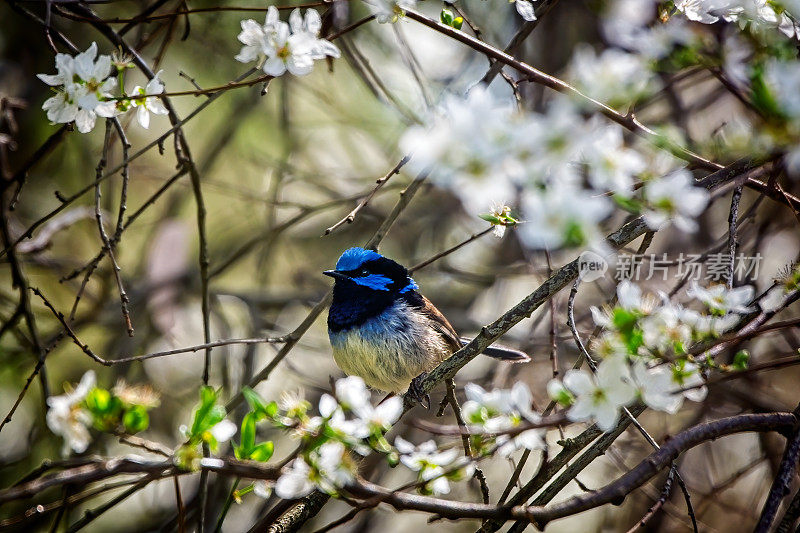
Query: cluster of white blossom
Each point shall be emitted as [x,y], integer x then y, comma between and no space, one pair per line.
[83,86]
[123,408]
[757,61]
[764,14]
[644,352]
[348,422]
[386,11]
[630,25]
[485,151]
[293,46]
[501,410]
[327,468]
[67,416]
[615,77]
[434,468]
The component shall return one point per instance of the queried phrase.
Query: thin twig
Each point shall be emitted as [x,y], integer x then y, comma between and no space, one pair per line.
[363,203]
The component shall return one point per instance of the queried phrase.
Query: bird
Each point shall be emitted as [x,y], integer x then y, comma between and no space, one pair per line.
[382,329]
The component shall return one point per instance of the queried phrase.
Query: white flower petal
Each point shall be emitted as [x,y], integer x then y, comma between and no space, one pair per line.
[223,430]
[526,10]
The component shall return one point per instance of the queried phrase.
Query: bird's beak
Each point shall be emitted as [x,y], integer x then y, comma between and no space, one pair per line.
[334,274]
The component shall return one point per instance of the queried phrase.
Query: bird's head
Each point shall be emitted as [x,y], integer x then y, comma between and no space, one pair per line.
[367,269]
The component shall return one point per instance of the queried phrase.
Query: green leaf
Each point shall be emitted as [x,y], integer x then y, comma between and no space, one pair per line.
[490,218]
[136,419]
[458,22]
[262,452]
[248,433]
[564,397]
[271,410]
[202,416]
[215,416]
[254,400]
[380,444]
[628,204]
[761,97]
[623,319]
[741,360]
[446,16]
[574,235]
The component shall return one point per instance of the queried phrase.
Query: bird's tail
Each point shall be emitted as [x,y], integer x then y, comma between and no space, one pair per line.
[504,353]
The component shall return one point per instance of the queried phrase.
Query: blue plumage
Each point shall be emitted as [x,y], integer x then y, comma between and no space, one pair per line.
[382,329]
[355,257]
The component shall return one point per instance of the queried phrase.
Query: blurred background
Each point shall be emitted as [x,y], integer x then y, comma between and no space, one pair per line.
[277,170]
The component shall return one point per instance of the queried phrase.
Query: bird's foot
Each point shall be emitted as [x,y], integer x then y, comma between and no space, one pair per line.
[417,393]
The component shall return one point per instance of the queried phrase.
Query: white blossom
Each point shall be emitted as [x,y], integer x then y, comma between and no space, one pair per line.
[611,165]
[614,77]
[660,386]
[686,375]
[674,197]
[66,416]
[295,482]
[629,296]
[488,404]
[531,439]
[352,393]
[774,298]
[763,14]
[525,9]
[664,329]
[657,387]
[554,141]
[262,489]
[386,11]
[428,462]
[329,471]
[783,78]
[62,107]
[722,300]
[254,38]
[736,53]
[223,430]
[599,397]
[332,465]
[383,415]
[558,392]
[82,89]
[148,103]
[293,401]
[562,215]
[501,409]
[629,24]
[351,430]
[466,142]
[292,46]
[701,10]
[705,325]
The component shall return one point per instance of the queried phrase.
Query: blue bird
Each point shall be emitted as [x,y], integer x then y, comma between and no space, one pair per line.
[383,330]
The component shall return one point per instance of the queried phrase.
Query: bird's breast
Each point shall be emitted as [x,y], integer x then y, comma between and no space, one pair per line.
[390,349]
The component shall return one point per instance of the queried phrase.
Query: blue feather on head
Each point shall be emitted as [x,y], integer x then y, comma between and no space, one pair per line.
[354,257]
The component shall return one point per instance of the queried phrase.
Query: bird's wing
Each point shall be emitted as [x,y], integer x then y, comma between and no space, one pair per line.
[454,342]
[440,323]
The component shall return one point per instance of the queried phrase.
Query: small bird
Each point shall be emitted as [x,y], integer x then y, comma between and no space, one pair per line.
[383,330]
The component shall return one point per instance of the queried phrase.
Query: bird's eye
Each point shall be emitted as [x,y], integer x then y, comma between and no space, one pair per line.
[364,272]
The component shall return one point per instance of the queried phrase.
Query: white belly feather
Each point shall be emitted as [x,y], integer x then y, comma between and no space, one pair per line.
[390,350]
